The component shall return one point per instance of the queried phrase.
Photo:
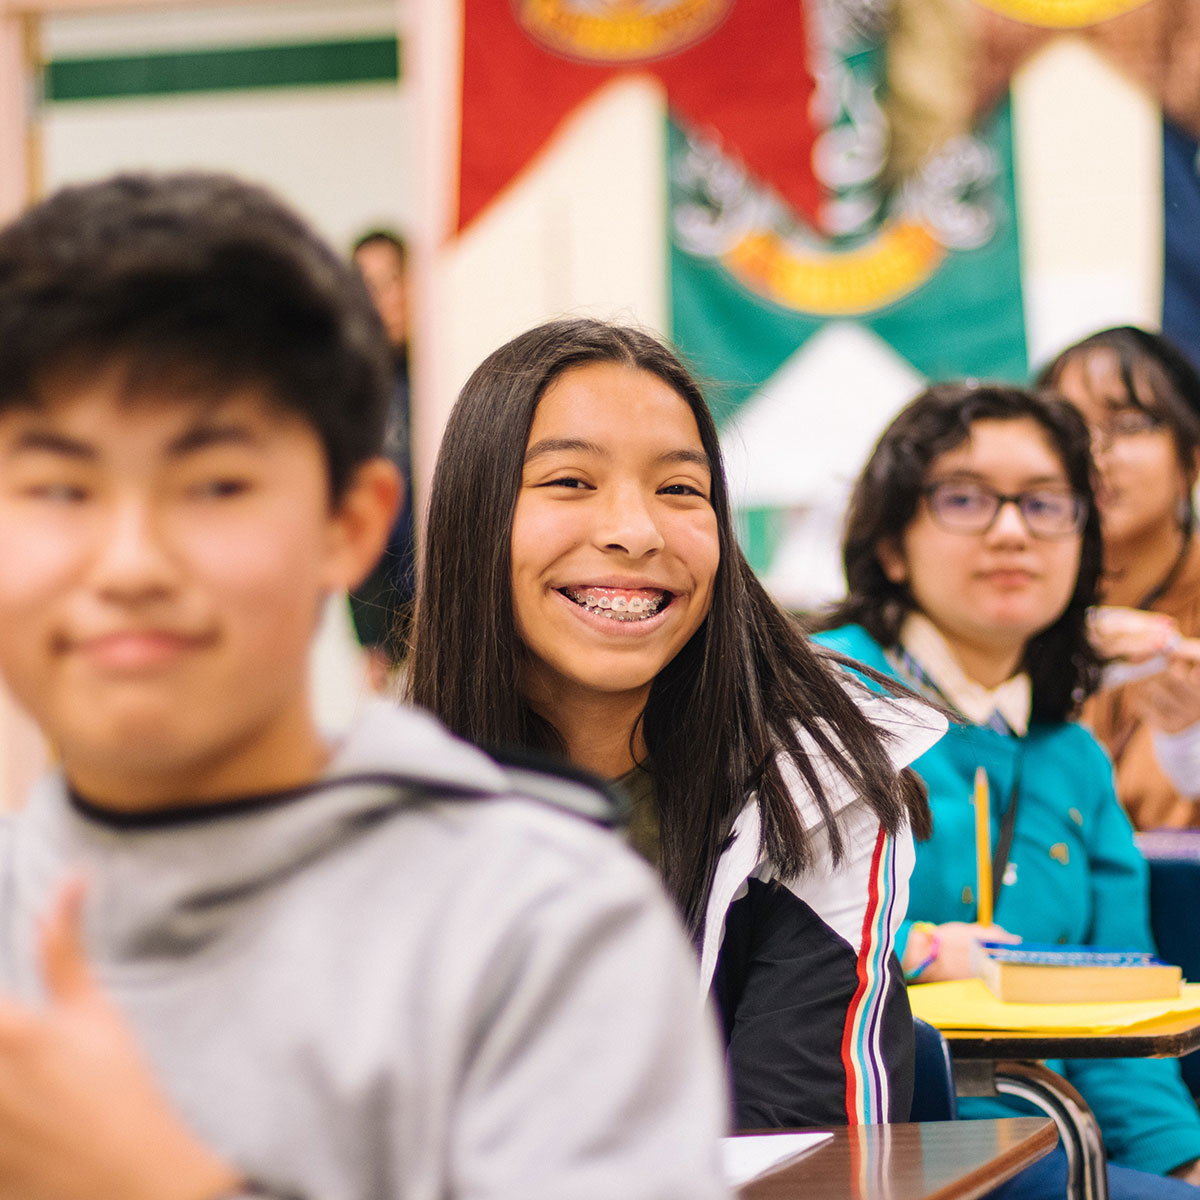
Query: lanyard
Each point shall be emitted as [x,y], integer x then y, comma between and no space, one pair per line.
[1008,822]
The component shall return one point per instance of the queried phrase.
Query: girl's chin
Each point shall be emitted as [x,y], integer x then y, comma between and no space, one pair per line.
[1122,531]
[1013,629]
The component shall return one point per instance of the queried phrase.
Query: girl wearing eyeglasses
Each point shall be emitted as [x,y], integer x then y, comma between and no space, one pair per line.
[1141,400]
[972,554]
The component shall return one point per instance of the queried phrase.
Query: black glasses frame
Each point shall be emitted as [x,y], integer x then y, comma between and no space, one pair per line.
[1020,499]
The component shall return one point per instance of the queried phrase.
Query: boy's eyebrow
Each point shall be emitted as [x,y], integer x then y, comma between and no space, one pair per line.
[53,443]
[209,434]
[199,437]
[580,445]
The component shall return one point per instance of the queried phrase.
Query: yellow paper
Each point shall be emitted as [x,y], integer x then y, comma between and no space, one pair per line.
[967,1004]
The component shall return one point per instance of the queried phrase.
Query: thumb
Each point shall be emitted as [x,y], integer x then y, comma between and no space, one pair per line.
[65,970]
[997,933]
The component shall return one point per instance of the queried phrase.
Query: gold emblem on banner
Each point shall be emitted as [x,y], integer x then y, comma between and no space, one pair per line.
[619,31]
[1061,13]
[895,262]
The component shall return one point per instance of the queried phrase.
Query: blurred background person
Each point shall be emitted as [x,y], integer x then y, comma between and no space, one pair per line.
[972,553]
[1141,400]
[382,606]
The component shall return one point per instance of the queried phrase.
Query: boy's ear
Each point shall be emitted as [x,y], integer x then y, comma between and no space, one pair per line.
[891,559]
[360,523]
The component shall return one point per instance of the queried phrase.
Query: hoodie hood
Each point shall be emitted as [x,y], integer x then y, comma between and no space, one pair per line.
[163,884]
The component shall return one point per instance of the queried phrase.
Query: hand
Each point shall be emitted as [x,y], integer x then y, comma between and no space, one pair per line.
[1170,700]
[81,1117]
[955,940]
[1189,1172]
[1129,633]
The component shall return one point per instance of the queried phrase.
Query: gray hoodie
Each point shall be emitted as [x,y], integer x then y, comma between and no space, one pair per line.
[404,981]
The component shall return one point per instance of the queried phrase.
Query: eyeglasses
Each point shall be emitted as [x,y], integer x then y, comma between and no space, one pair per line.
[965,507]
[1123,423]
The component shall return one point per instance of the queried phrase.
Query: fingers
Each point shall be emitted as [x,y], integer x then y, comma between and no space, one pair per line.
[1186,650]
[1130,634]
[1171,700]
[996,933]
[65,969]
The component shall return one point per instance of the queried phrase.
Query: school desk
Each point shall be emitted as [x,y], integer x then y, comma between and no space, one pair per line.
[937,1160]
[989,1062]
[1173,856]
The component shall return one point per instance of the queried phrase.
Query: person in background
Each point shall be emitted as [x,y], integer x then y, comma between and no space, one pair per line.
[240,959]
[972,553]
[382,605]
[584,595]
[1141,400]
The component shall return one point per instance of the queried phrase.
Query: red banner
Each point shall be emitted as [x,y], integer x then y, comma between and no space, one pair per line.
[736,70]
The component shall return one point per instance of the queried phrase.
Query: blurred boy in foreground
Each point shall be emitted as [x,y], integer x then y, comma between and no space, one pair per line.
[236,960]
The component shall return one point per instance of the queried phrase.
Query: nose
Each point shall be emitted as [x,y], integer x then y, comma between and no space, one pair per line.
[132,563]
[627,522]
[1008,525]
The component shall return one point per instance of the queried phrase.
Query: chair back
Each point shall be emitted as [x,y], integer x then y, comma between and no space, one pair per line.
[934,1097]
[1174,893]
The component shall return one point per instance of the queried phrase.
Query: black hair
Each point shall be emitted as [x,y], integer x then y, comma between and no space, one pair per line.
[194,285]
[1156,377]
[383,237]
[747,687]
[1063,667]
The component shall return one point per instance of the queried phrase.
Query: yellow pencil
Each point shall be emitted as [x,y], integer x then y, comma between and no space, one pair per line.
[983,847]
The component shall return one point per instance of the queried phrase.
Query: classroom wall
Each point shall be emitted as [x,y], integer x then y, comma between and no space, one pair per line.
[583,225]
[298,94]
[310,98]
[1088,170]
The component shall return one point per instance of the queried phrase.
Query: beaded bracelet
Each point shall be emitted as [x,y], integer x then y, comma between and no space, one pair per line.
[935,947]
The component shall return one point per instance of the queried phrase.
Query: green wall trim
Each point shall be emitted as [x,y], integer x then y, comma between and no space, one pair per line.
[311,64]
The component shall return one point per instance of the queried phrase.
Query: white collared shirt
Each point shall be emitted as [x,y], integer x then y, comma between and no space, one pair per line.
[921,640]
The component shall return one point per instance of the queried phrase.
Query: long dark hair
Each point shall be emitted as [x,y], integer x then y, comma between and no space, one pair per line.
[745,688]
[1157,378]
[1063,668]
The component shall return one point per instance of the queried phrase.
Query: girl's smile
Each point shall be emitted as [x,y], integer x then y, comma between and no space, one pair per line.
[614,540]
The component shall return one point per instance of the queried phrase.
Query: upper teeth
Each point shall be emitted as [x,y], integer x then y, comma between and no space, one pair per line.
[619,608]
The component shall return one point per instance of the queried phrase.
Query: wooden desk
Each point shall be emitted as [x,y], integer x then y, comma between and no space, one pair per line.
[939,1160]
[1167,1040]
[992,1062]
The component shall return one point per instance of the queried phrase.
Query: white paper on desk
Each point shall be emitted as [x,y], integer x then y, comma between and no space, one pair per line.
[747,1158]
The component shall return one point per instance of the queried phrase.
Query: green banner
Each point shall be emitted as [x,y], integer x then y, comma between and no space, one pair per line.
[933,285]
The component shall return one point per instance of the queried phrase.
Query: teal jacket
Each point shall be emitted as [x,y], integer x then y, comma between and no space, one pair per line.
[1074,876]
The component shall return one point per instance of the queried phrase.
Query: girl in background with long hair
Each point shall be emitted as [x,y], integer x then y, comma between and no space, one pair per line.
[1141,400]
[972,554]
[584,596]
